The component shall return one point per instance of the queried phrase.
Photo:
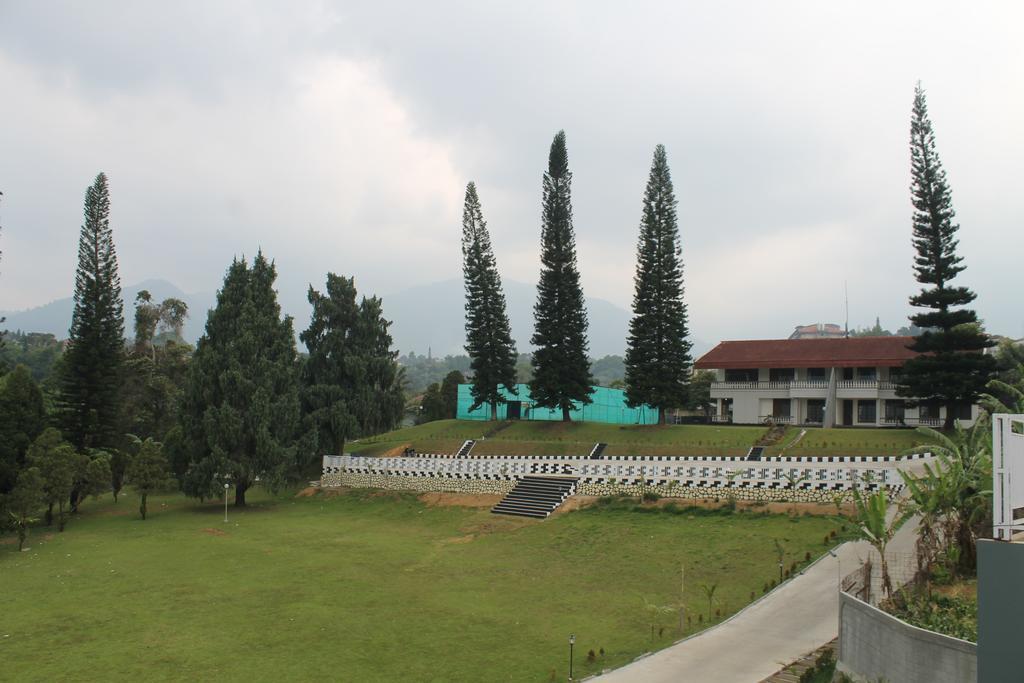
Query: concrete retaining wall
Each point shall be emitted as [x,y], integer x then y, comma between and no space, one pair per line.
[427,484]
[876,646]
[768,481]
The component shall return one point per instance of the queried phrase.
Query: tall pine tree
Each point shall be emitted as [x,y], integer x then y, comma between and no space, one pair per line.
[658,352]
[953,370]
[561,369]
[489,343]
[90,382]
[240,409]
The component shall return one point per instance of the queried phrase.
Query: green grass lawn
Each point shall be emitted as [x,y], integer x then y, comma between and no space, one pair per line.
[577,438]
[559,438]
[368,586]
[859,441]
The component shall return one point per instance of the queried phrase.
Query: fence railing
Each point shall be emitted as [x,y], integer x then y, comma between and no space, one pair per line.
[769,385]
[912,421]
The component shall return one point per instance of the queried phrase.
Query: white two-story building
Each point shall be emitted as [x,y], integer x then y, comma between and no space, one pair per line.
[821,382]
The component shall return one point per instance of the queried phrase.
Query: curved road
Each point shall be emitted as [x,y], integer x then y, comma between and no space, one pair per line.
[794,619]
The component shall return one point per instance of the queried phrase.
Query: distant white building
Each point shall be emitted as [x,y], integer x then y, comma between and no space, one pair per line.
[818,331]
[818,381]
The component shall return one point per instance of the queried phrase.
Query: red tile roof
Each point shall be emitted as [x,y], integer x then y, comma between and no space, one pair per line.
[855,352]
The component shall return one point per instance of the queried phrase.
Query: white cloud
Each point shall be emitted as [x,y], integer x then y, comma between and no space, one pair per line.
[327,173]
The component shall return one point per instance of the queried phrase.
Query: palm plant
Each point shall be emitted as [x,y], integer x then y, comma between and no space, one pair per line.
[709,592]
[932,495]
[877,527]
[1013,396]
[958,492]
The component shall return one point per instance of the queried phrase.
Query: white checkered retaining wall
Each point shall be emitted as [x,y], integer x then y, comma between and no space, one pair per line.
[767,480]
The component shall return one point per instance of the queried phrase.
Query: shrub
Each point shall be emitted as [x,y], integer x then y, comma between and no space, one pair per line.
[601,651]
[826,539]
[651,497]
[807,556]
[591,656]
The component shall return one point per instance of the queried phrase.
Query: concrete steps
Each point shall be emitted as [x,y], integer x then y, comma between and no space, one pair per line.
[536,497]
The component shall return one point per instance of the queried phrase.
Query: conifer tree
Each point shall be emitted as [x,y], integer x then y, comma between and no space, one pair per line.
[352,385]
[22,419]
[326,386]
[561,369]
[379,399]
[953,369]
[450,393]
[489,342]
[240,409]
[658,348]
[90,382]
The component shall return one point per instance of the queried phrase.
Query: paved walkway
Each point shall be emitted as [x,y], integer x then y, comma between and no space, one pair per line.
[796,618]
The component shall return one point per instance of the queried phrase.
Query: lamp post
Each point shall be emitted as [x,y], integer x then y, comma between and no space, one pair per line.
[226,486]
[572,641]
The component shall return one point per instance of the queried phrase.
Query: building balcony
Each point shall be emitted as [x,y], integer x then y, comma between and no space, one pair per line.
[845,388]
[777,419]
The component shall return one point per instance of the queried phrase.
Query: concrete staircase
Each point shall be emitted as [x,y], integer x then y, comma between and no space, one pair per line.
[466,448]
[597,450]
[536,496]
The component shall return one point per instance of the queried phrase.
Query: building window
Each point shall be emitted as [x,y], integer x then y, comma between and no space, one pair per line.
[816,375]
[780,407]
[847,373]
[929,410]
[781,374]
[866,373]
[894,411]
[866,411]
[816,410]
[962,411]
[895,375]
[742,375]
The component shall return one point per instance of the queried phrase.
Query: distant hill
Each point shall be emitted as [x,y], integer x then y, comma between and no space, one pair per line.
[55,317]
[433,315]
[427,316]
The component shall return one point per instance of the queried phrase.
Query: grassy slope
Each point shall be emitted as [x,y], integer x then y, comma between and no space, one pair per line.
[364,587]
[557,438]
[850,442]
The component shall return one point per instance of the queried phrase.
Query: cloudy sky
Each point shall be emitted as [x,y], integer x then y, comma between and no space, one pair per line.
[339,137]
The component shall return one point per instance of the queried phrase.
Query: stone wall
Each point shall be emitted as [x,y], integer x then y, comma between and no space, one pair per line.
[426,484]
[875,646]
[710,493]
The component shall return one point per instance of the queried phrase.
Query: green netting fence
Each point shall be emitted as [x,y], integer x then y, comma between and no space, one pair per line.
[608,406]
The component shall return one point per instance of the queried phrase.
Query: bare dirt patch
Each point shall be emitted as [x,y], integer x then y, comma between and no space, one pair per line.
[575,503]
[214,532]
[308,492]
[396,452]
[467,500]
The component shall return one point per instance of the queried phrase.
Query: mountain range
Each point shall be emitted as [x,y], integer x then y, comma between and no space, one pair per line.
[424,318]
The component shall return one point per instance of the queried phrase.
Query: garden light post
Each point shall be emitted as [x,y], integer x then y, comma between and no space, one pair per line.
[572,641]
[226,486]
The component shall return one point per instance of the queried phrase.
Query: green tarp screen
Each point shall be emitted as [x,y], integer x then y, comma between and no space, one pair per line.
[609,406]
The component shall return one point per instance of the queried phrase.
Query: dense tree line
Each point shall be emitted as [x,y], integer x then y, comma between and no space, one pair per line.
[100,412]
